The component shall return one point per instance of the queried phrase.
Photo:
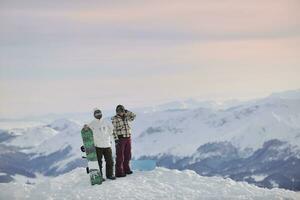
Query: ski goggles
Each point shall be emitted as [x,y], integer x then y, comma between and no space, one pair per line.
[98,113]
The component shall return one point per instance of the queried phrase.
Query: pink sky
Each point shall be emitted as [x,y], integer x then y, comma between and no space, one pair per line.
[70,57]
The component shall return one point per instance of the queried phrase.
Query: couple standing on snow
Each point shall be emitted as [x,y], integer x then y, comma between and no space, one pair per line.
[120,131]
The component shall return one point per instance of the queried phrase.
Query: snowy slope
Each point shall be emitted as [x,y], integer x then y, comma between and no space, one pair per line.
[30,137]
[189,104]
[180,105]
[158,184]
[68,135]
[46,149]
[38,139]
[291,94]
[246,126]
[181,132]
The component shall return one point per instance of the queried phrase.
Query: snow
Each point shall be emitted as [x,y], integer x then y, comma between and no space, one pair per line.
[276,117]
[160,183]
[259,177]
[62,124]
[274,184]
[68,135]
[62,164]
[31,137]
[291,94]
[177,132]
[24,179]
[246,126]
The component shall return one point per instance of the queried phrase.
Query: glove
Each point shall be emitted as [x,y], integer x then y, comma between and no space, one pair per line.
[126,112]
[86,127]
[82,148]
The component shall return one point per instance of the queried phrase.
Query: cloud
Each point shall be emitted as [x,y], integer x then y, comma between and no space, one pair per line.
[53,52]
[157,19]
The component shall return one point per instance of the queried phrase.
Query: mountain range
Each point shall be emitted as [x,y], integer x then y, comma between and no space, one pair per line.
[256,141]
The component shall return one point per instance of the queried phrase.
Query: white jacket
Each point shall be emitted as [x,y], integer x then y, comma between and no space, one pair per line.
[102,131]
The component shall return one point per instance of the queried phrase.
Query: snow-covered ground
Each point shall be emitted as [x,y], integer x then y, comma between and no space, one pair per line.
[160,183]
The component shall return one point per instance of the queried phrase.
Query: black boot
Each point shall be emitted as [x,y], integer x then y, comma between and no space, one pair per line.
[111,177]
[129,172]
[120,175]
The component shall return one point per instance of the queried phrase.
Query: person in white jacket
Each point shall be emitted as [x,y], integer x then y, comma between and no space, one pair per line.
[102,131]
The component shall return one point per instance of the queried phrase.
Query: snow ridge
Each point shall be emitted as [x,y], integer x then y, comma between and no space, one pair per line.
[160,183]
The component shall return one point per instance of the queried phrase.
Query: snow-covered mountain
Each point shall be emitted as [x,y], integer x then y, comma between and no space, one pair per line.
[291,94]
[276,164]
[50,149]
[189,104]
[160,183]
[180,105]
[248,126]
[256,141]
[228,142]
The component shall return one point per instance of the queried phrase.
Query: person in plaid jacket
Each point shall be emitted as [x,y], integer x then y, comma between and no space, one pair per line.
[122,136]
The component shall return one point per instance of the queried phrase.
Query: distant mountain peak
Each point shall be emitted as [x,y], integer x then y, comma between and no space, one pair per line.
[290,94]
[62,124]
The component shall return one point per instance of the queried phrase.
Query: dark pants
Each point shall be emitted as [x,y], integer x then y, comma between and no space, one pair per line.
[123,151]
[107,153]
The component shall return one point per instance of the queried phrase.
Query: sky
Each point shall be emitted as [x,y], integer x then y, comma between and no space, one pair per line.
[71,56]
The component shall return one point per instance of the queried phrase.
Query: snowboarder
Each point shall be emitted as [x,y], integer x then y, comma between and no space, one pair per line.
[102,131]
[122,134]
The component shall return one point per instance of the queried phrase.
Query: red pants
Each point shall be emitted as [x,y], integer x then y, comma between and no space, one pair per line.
[123,151]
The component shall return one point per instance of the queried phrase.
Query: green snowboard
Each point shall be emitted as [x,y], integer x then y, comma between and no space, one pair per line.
[91,156]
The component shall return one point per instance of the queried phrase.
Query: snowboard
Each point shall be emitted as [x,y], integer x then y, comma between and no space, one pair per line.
[91,156]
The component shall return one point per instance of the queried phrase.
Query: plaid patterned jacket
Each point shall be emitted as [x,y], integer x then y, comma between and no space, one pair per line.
[121,125]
